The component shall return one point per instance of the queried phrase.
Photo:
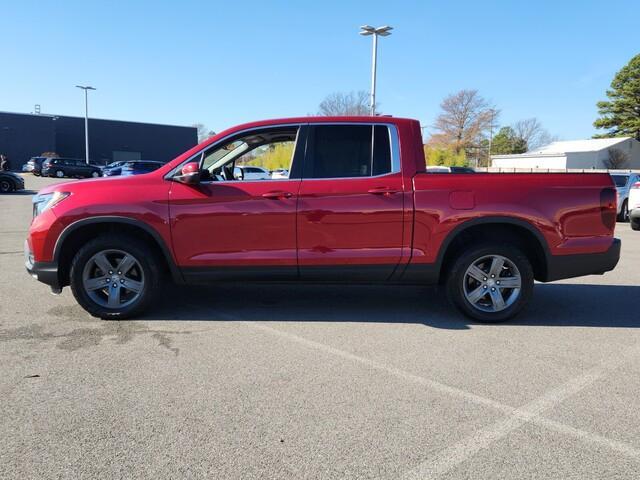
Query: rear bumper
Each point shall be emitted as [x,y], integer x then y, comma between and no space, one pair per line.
[569,266]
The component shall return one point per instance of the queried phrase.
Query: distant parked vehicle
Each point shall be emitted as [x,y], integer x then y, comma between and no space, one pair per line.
[69,167]
[10,182]
[110,166]
[133,167]
[634,205]
[443,169]
[280,173]
[249,172]
[623,181]
[34,165]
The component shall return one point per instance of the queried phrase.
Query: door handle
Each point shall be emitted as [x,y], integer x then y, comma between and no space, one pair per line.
[277,195]
[386,191]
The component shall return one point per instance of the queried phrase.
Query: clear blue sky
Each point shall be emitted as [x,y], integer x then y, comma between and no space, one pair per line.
[223,63]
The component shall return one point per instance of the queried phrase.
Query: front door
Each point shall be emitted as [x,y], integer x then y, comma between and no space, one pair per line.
[350,204]
[227,227]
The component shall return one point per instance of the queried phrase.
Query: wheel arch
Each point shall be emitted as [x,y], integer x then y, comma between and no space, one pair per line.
[80,231]
[523,233]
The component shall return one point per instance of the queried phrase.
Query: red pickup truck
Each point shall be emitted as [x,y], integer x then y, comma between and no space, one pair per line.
[358,206]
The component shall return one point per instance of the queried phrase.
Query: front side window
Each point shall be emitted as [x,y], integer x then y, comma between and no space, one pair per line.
[257,152]
[341,151]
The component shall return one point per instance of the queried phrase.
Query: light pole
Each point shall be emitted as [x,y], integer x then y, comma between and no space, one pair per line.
[384,31]
[86,119]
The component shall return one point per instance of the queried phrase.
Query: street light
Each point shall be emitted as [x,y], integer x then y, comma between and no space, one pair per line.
[384,31]
[86,120]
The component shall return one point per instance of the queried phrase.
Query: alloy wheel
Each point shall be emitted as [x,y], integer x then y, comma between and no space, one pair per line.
[113,278]
[492,283]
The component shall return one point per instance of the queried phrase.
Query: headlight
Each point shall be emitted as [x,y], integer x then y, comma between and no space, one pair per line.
[45,201]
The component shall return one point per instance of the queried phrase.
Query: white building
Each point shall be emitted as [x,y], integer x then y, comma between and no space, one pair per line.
[586,154]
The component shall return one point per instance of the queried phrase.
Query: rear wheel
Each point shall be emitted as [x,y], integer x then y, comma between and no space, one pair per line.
[635,223]
[624,212]
[95,174]
[6,186]
[59,173]
[490,282]
[114,277]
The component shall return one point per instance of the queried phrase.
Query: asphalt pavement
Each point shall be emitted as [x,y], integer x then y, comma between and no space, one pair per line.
[296,382]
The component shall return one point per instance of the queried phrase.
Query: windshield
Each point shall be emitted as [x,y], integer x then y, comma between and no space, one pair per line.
[620,180]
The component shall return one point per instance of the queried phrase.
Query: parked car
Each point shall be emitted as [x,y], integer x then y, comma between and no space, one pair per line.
[634,205]
[107,168]
[34,165]
[280,174]
[358,207]
[10,182]
[443,169]
[69,167]
[134,167]
[247,172]
[623,181]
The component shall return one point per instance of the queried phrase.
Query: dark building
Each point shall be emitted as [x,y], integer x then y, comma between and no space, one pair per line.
[23,136]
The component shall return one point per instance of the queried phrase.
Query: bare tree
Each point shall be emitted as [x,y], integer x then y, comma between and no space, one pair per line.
[339,103]
[203,132]
[465,119]
[617,159]
[532,132]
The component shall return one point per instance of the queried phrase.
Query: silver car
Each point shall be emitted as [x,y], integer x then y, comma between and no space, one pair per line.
[623,181]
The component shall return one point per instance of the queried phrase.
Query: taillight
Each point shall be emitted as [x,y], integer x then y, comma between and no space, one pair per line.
[608,207]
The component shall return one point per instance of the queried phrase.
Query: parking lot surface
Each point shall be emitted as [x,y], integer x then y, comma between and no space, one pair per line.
[241,382]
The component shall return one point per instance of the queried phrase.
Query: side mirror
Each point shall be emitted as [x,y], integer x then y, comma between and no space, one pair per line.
[189,175]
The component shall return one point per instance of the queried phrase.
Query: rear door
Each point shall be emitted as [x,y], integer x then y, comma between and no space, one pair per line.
[350,203]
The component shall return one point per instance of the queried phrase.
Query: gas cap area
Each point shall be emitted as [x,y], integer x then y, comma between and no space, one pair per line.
[462,200]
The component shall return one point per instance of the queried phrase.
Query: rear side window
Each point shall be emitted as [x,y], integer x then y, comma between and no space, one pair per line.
[341,151]
[620,180]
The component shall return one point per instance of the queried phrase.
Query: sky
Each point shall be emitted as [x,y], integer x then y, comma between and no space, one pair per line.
[225,63]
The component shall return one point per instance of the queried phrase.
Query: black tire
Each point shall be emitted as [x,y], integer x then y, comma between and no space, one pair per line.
[147,260]
[635,223]
[455,281]
[58,174]
[6,186]
[624,212]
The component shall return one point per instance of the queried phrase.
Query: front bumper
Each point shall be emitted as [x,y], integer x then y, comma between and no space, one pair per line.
[570,266]
[45,272]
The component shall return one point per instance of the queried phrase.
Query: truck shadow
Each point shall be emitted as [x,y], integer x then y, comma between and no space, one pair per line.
[553,305]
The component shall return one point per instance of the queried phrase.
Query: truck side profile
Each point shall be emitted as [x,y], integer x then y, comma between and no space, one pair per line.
[358,206]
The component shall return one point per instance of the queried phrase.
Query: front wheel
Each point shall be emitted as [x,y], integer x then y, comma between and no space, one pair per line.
[490,282]
[115,277]
[95,174]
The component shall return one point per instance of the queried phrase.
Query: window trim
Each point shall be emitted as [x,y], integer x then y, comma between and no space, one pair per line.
[394,145]
[300,149]
[300,142]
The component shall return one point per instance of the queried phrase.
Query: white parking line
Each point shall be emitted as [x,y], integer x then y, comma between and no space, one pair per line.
[452,456]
